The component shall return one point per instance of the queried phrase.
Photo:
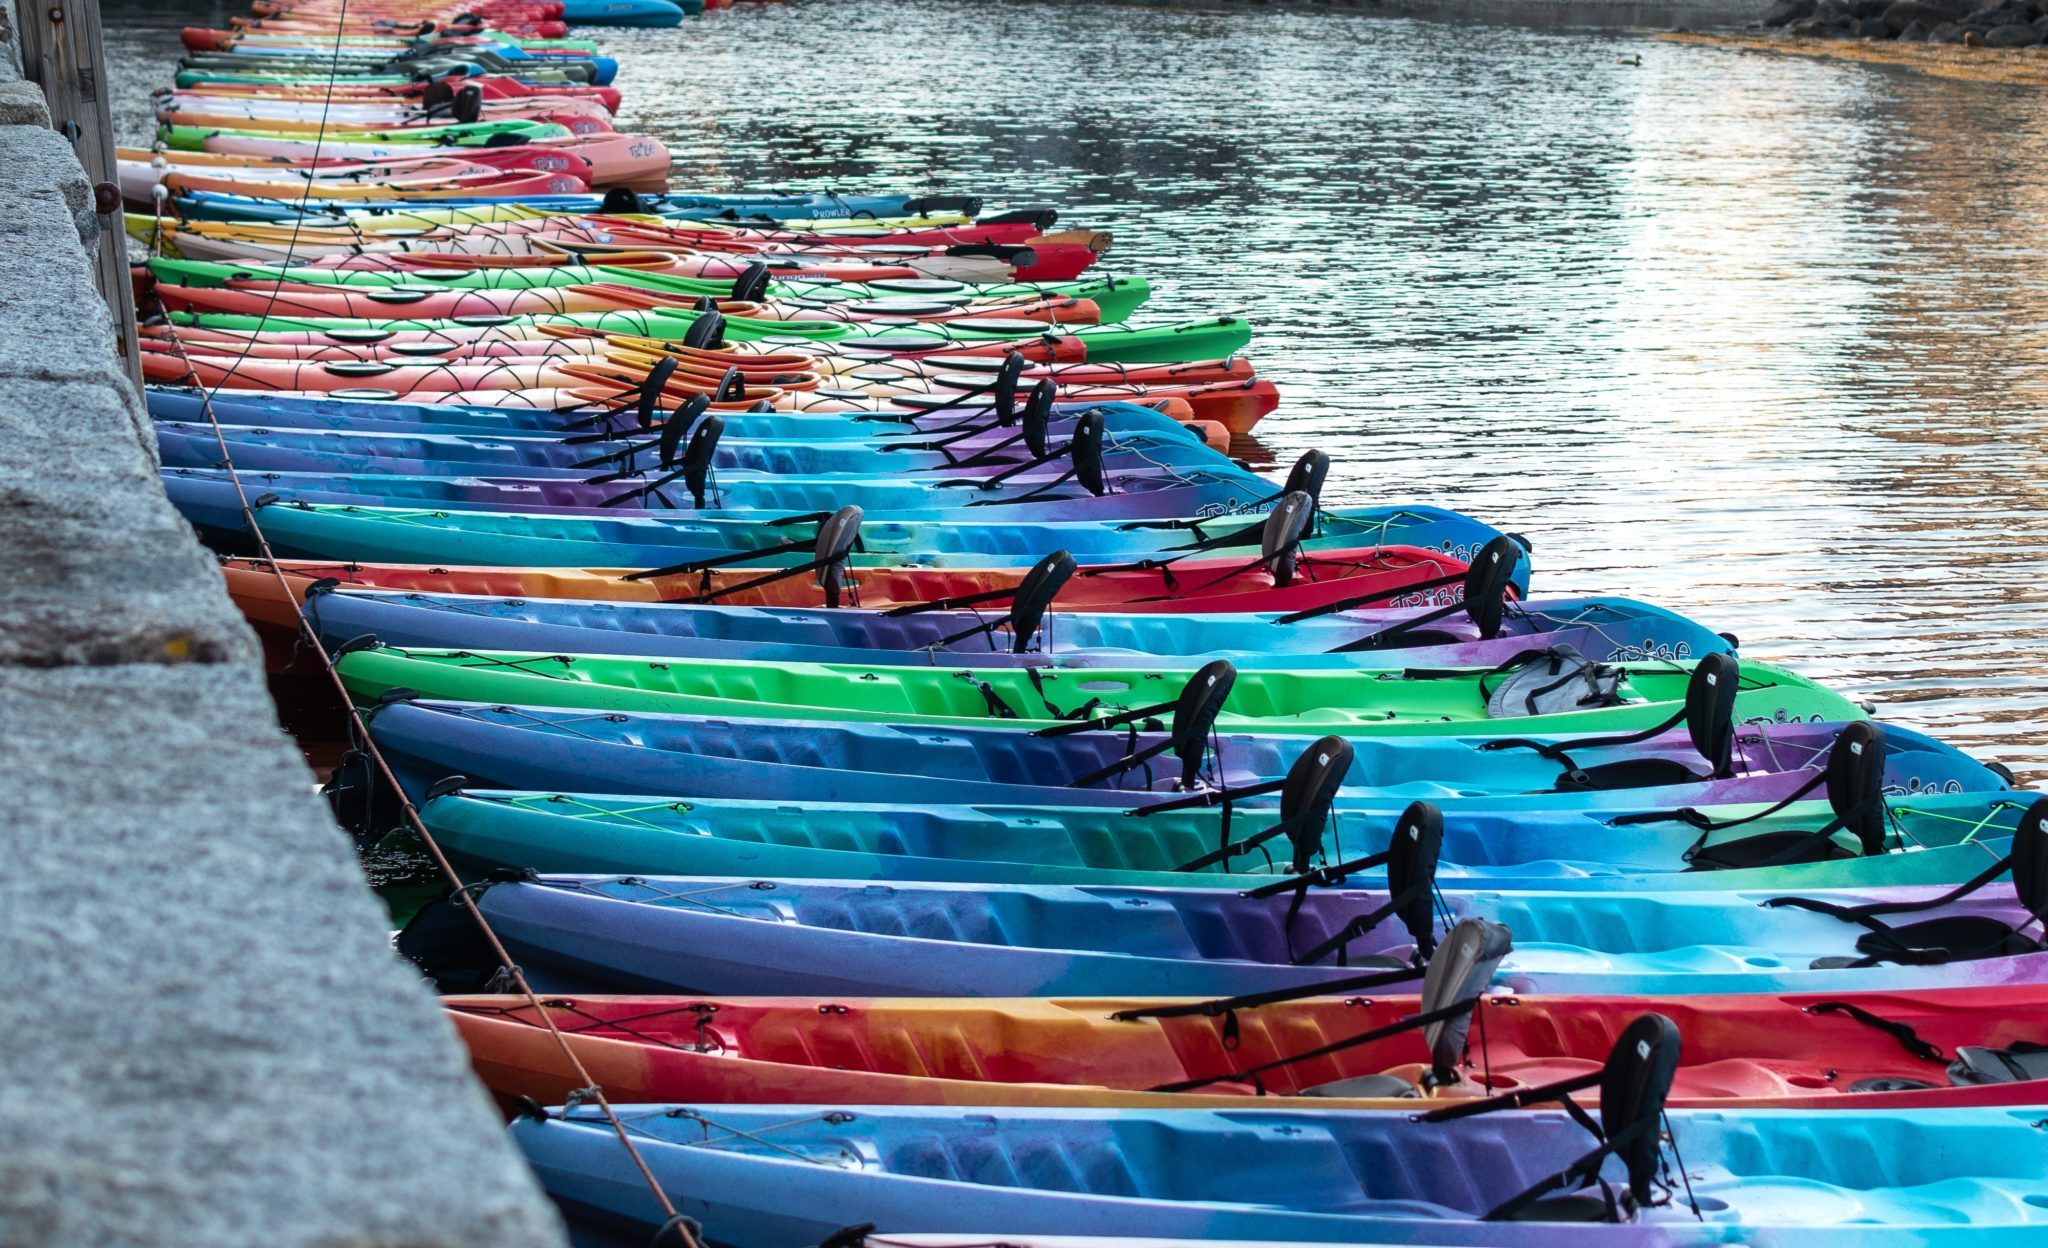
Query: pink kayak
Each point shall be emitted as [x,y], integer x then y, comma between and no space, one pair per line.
[632,161]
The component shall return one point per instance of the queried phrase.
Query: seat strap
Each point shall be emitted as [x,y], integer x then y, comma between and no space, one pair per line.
[1908,1039]
[1411,1023]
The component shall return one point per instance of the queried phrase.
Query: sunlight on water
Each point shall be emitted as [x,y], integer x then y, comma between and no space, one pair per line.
[1763,340]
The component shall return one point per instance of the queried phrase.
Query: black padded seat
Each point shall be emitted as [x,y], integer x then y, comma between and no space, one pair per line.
[1365,1086]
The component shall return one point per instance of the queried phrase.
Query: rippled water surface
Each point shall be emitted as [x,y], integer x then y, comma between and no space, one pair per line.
[1761,339]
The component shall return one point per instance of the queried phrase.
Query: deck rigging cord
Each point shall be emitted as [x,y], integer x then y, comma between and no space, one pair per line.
[589,1091]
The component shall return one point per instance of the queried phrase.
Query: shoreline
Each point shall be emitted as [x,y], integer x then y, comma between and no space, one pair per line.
[2022,67]
[1611,15]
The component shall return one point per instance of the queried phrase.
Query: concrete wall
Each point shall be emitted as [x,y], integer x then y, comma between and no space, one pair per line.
[204,1037]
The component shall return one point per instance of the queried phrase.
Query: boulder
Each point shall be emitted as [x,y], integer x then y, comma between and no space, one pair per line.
[1786,12]
[1986,17]
[1947,32]
[1865,9]
[2012,35]
[1916,32]
[1914,12]
[1820,28]
[2041,24]
[1872,28]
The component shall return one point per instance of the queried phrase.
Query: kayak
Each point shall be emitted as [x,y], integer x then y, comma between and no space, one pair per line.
[783,1176]
[1379,568]
[370,461]
[1012,246]
[443,234]
[631,161]
[1102,343]
[1766,1051]
[446,134]
[686,206]
[208,501]
[1116,297]
[641,13]
[391,416]
[1384,702]
[1487,840]
[979,770]
[1605,629]
[328,302]
[758,934]
[620,420]
[882,586]
[581,380]
[425,301]
[1213,338]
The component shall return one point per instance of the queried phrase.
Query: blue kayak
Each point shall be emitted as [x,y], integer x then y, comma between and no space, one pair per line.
[1605,629]
[1541,847]
[400,534]
[272,448]
[393,416]
[780,1176]
[849,761]
[737,494]
[760,935]
[641,13]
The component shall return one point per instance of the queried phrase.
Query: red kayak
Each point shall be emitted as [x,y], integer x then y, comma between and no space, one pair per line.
[1208,584]
[1738,1052]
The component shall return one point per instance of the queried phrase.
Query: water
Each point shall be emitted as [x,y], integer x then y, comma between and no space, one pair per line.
[1757,338]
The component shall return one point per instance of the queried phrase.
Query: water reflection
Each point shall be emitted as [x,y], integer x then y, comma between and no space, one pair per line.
[1761,339]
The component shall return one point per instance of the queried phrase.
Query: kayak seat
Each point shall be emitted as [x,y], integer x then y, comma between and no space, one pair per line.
[1958,936]
[1426,637]
[1627,773]
[1570,1207]
[1365,1086]
[2022,1063]
[1769,849]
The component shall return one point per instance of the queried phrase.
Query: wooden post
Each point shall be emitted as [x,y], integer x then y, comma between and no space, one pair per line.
[61,52]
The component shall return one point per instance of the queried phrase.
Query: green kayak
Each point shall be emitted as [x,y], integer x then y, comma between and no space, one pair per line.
[1118,297]
[599,834]
[1211,339]
[1363,702]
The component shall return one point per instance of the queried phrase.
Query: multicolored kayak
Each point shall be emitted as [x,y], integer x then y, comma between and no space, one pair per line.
[1766,1051]
[759,934]
[1606,629]
[389,416]
[1502,840]
[1384,702]
[1214,338]
[1116,297]
[785,1176]
[812,761]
